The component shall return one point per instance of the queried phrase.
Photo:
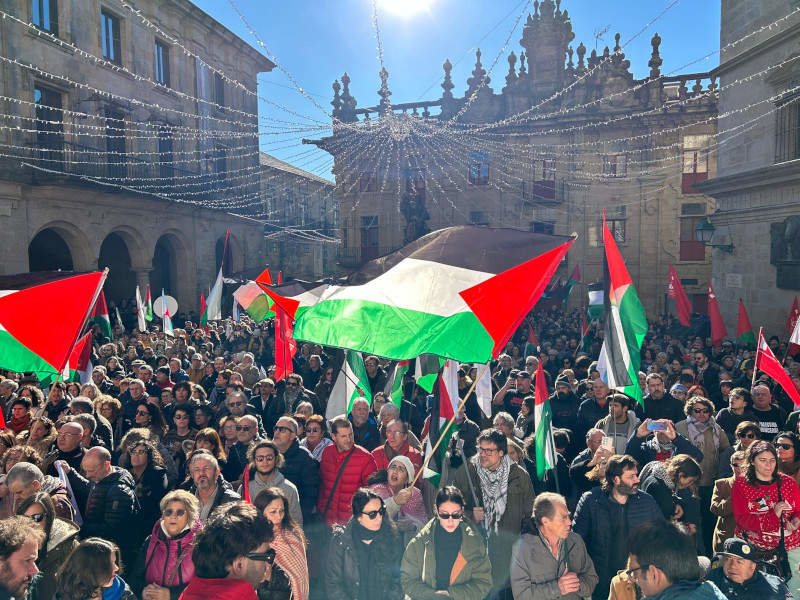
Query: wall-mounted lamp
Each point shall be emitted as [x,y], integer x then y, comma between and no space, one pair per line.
[705,233]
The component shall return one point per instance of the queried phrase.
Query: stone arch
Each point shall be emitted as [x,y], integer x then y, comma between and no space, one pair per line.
[137,246]
[115,253]
[234,255]
[171,259]
[76,242]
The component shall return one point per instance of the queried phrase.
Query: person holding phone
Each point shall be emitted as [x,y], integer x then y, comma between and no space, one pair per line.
[658,440]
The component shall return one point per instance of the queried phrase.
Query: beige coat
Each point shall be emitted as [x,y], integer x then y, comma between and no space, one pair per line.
[711,453]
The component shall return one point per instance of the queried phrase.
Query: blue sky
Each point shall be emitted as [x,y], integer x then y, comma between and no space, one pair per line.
[317,40]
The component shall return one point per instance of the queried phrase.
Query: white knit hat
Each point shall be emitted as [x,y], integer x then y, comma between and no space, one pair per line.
[406,462]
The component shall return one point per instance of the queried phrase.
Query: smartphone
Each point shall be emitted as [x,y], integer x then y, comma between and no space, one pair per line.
[607,442]
[656,426]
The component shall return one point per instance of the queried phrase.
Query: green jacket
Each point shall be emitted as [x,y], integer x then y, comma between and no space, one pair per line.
[519,506]
[470,579]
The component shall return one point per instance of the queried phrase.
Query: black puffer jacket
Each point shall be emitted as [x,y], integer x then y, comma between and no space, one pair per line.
[277,588]
[303,471]
[342,576]
[225,492]
[112,510]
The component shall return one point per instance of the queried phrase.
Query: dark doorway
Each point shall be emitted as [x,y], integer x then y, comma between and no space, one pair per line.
[369,238]
[49,252]
[164,272]
[228,268]
[121,282]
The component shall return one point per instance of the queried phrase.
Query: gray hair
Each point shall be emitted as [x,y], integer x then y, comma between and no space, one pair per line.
[389,408]
[203,455]
[360,401]
[592,431]
[545,506]
[504,418]
[87,421]
[10,383]
[25,474]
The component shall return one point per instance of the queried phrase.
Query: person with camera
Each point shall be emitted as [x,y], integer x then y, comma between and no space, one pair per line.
[664,443]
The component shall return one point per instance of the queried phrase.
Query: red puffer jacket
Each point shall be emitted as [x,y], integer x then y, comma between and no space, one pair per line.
[168,561]
[360,466]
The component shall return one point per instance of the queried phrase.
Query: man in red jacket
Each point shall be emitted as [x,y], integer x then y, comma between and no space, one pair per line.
[396,445]
[334,504]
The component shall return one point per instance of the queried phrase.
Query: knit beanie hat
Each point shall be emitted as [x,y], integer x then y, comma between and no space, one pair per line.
[406,462]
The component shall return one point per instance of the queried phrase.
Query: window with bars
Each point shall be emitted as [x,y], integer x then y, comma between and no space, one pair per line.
[787,139]
[161,67]
[479,167]
[44,15]
[478,217]
[543,186]
[695,162]
[617,229]
[115,144]
[691,216]
[165,157]
[110,37]
[219,89]
[49,125]
[615,165]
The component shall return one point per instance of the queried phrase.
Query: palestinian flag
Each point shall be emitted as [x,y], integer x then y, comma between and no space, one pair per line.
[149,314]
[744,331]
[351,383]
[586,339]
[458,292]
[100,316]
[543,432]
[573,279]
[394,383]
[259,305]
[445,408]
[29,341]
[596,301]
[79,365]
[625,326]
[285,346]
[426,371]
[203,308]
[532,342]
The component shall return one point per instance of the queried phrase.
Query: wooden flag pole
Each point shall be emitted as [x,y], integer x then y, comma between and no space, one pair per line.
[448,425]
[755,360]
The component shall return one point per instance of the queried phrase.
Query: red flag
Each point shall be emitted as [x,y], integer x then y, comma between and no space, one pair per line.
[676,291]
[718,330]
[280,277]
[744,330]
[285,346]
[203,311]
[792,318]
[766,361]
[533,339]
[265,277]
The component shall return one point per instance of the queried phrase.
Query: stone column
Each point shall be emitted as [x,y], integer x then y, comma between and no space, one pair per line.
[143,280]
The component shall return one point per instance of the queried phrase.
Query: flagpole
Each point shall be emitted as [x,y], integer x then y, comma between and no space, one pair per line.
[755,362]
[447,425]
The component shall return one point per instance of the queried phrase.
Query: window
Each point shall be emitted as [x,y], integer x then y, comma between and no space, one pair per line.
[44,14]
[695,162]
[617,229]
[787,138]
[49,127]
[367,182]
[112,47]
[220,166]
[165,158]
[479,167]
[543,186]
[615,165]
[547,227]
[219,89]
[691,216]
[478,217]
[115,144]
[162,63]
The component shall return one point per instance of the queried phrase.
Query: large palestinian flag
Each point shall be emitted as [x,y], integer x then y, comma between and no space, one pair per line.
[458,293]
[258,304]
[41,316]
[625,326]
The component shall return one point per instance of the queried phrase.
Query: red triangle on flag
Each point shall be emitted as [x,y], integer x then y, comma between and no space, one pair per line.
[100,309]
[82,353]
[500,312]
[265,277]
[21,314]
[290,305]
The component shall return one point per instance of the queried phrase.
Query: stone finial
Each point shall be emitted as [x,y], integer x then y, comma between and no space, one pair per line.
[570,64]
[479,76]
[536,8]
[713,85]
[447,84]
[337,100]
[697,87]
[655,58]
[511,78]
[384,92]
[581,54]
[617,47]
[349,103]
[522,71]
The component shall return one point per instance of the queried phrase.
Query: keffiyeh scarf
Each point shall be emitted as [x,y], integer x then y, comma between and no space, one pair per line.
[494,488]
[697,431]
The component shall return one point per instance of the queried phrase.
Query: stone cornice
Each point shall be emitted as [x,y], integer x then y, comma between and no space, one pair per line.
[763,177]
[764,46]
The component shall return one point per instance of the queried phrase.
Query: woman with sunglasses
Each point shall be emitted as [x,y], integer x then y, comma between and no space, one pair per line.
[164,566]
[364,554]
[316,439]
[721,504]
[448,556]
[150,416]
[766,501]
[787,444]
[289,577]
[324,386]
[147,468]
[61,538]
[746,433]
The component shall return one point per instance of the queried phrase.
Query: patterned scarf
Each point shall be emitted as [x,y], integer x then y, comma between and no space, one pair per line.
[663,451]
[494,488]
[697,431]
[290,554]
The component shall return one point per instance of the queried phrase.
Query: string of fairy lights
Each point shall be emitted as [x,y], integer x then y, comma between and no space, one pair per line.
[382,147]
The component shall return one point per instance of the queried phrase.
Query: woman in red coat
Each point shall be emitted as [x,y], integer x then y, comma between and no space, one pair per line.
[763,498]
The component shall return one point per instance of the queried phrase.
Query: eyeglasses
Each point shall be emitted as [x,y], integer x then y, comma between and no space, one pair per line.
[265,458]
[282,428]
[242,428]
[177,512]
[291,384]
[235,404]
[137,452]
[374,513]
[267,557]
[701,411]
[454,516]
[488,450]
[631,573]
[784,446]
[749,435]
[36,517]
[181,417]
[142,413]
[313,430]
[737,466]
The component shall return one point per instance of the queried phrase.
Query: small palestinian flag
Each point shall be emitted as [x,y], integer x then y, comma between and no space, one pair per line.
[100,316]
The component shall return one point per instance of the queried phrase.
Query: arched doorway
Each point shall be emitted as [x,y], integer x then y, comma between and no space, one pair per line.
[121,282]
[165,269]
[49,252]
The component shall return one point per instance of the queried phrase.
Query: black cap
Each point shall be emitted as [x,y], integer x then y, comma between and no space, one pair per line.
[738,547]
[513,373]
[562,380]
[524,375]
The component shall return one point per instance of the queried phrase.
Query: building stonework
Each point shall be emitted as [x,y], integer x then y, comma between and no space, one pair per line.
[478,160]
[134,155]
[757,188]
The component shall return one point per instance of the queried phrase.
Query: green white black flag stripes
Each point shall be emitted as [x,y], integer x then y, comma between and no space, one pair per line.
[351,383]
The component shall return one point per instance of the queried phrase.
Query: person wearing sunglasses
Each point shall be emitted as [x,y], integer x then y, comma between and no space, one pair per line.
[364,554]
[448,556]
[746,433]
[60,539]
[787,443]
[164,566]
[263,471]
[721,502]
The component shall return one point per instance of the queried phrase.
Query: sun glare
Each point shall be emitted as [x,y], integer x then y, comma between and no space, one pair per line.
[405,8]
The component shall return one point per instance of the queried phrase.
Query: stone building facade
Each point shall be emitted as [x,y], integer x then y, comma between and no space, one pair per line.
[128,137]
[302,220]
[757,187]
[569,135]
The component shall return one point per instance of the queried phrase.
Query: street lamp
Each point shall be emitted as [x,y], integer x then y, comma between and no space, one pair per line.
[705,233]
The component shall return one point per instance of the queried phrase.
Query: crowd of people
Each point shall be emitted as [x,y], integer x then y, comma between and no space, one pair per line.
[184,469]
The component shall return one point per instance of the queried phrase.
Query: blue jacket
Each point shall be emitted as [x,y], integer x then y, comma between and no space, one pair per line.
[639,449]
[760,585]
[690,590]
[593,523]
